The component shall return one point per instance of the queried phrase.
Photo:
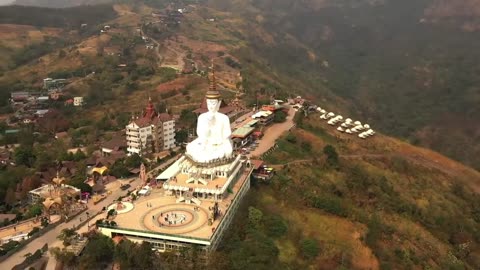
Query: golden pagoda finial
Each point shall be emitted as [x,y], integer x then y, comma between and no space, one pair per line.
[212,92]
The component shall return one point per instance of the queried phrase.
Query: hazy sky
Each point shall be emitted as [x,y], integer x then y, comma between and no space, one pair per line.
[4,2]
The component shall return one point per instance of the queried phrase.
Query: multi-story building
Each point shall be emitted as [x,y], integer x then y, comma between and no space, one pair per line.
[151,133]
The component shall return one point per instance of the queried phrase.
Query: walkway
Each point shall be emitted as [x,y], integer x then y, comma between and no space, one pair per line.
[272,133]
[23,227]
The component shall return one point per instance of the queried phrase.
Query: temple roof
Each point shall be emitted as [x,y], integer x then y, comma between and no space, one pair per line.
[151,117]
[150,112]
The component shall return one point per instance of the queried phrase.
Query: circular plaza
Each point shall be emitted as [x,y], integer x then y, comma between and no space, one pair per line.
[175,218]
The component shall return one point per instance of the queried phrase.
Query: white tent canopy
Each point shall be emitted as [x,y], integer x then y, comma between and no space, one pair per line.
[170,171]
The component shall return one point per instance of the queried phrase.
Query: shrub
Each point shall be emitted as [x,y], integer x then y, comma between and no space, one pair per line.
[291,138]
[275,226]
[329,204]
[332,156]
[33,231]
[280,117]
[309,248]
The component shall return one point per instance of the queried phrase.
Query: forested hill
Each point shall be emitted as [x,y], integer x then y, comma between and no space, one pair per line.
[50,17]
[59,3]
[411,66]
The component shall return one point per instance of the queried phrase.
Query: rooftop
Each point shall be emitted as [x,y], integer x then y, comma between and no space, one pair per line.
[195,225]
[49,190]
[242,132]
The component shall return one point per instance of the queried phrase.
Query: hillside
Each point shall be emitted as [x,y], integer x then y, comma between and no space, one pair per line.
[382,205]
[409,66]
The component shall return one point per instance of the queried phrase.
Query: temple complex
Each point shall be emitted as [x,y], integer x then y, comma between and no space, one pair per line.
[200,193]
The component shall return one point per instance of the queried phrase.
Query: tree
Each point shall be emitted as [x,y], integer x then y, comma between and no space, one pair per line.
[98,252]
[144,256]
[43,158]
[119,170]
[83,187]
[298,119]
[65,257]
[24,156]
[10,198]
[332,156]
[33,231]
[53,122]
[256,252]
[275,226]
[79,155]
[66,236]
[188,118]
[133,161]
[104,123]
[34,210]
[100,47]
[62,54]
[254,217]
[291,138]
[181,136]
[309,248]
[280,116]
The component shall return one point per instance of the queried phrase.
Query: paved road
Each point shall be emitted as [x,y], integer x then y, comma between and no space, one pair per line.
[272,133]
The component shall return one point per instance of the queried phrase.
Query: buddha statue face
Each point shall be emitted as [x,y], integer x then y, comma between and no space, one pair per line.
[213,105]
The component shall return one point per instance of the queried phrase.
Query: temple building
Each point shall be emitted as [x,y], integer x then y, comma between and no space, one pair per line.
[200,195]
[151,133]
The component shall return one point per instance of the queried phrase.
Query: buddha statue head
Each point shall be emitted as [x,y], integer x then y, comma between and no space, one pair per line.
[213,105]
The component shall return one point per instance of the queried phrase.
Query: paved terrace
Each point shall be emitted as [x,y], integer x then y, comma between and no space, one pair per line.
[182,178]
[150,213]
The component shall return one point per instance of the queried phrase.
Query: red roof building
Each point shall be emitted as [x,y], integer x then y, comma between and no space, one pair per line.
[151,133]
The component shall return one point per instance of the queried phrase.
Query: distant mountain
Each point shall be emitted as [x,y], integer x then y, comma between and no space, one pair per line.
[57,3]
[5,2]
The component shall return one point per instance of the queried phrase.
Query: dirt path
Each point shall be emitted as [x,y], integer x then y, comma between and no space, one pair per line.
[179,59]
[272,133]
[157,47]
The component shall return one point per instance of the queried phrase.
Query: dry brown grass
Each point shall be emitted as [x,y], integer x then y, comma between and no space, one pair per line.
[380,145]
[336,234]
[18,36]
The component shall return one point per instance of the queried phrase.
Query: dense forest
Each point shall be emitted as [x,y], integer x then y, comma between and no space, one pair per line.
[409,72]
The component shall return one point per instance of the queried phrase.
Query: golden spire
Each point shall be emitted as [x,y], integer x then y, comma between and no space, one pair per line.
[212,92]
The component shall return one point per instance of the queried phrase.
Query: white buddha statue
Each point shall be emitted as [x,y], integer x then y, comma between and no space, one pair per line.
[213,131]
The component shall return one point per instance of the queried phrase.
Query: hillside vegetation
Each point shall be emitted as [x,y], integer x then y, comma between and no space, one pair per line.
[357,204]
[409,66]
